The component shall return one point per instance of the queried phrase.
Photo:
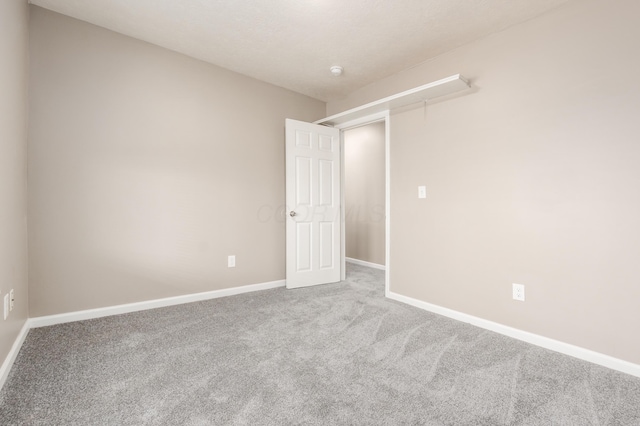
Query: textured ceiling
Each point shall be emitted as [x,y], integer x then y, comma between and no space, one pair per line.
[292,43]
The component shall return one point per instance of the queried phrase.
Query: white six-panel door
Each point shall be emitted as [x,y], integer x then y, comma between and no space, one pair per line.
[313,204]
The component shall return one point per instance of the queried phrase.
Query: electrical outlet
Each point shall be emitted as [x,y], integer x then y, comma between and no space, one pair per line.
[6,305]
[518,292]
[231,262]
[11,300]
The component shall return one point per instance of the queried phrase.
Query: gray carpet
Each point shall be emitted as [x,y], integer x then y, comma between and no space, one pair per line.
[333,354]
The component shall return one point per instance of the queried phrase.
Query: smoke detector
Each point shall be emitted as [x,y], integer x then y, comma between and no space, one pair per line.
[336,70]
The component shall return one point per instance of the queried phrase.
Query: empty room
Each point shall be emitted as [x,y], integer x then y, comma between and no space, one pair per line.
[318,212]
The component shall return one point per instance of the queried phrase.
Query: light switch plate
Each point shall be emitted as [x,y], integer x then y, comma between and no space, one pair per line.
[422,192]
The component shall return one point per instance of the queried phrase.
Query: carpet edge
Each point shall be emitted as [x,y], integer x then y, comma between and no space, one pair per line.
[525,336]
[47,320]
[5,369]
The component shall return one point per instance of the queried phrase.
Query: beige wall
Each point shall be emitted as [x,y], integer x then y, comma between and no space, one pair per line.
[365,193]
[532,179]
[14,20]
[147,169]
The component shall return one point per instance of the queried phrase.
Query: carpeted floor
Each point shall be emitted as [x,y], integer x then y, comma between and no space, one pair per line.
[327,355]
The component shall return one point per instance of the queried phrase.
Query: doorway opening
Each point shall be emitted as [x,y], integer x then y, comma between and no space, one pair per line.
[365,193]
[315,200]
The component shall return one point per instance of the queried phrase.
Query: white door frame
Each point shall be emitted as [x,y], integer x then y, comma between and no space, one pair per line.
[369,119]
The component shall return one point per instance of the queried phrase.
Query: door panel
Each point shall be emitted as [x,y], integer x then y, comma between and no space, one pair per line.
[313,204]
[326,198]
[326,245]
[303,181]
[304,250]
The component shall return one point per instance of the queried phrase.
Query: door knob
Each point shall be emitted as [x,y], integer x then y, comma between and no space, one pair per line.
[292,213]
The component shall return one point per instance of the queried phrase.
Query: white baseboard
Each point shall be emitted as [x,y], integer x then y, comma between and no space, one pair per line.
[13,353]
[535,339]
[365,263]
[47,320]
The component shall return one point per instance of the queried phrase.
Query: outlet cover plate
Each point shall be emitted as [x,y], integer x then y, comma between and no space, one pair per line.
[518,292]
[231,262]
